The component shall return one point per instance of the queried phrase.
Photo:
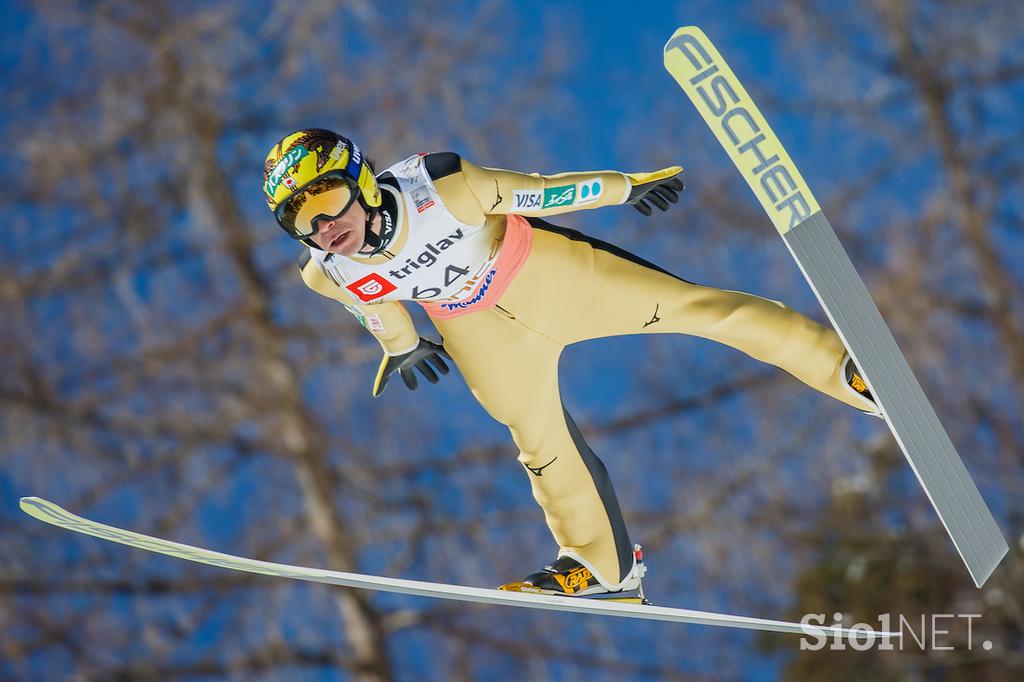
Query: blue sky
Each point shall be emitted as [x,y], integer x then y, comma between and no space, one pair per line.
[624,41]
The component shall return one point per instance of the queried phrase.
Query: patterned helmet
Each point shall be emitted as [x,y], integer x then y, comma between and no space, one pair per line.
[313,174]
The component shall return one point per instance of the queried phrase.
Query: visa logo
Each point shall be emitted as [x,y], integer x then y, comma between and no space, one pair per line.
[527,200]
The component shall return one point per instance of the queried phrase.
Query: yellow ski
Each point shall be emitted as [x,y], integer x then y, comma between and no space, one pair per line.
[735,120]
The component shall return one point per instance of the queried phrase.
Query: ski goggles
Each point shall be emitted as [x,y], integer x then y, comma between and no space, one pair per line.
[326,198]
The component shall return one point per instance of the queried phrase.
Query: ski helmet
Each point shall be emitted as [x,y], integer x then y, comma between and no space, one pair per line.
[313,174]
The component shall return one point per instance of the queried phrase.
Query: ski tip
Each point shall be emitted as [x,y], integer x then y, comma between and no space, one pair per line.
[681,31]
[33,505]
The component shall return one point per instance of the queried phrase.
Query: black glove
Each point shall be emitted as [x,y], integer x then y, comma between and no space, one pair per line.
[424,355]
[658,188]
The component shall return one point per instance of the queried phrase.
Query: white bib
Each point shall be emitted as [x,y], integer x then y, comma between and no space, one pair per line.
[433,256]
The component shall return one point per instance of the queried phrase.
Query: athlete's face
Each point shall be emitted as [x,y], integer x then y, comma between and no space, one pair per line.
[344,235]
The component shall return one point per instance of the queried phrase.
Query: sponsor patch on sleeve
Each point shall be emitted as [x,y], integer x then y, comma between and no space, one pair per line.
[588,191]
[527,199]
[563,195]
[371,322]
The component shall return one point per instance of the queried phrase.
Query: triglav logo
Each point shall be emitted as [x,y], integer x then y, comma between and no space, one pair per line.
[937,632]
[370,287]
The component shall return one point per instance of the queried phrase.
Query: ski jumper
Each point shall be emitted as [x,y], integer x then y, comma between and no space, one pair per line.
[508,291]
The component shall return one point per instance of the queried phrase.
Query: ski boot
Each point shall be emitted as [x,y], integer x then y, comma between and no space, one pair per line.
[855,382]
[568,577]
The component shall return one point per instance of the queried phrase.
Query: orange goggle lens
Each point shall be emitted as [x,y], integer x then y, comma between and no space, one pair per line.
[323,199]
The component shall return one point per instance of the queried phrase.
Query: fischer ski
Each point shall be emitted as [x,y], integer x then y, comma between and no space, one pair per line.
[57,516]
[741,129]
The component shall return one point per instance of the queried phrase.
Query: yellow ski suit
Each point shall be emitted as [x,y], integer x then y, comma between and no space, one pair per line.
[564,287]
